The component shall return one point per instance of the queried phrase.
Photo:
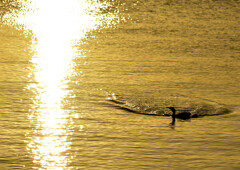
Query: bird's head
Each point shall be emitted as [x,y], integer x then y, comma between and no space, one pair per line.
[172,109]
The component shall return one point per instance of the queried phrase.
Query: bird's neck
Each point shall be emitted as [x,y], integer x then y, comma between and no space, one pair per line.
[173,113]
[173,117]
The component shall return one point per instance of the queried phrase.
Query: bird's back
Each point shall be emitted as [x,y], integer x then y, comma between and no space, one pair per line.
[183,115]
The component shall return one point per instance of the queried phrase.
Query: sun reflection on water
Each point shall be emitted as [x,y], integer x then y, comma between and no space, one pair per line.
[56,26]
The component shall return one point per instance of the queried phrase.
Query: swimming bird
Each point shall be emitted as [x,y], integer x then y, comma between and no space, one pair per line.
[182,115]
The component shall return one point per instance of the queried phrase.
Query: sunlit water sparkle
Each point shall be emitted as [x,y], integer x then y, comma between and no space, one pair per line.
[59,61]
[57,26]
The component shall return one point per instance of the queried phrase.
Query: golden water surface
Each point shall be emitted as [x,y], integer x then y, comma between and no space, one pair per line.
[61,60]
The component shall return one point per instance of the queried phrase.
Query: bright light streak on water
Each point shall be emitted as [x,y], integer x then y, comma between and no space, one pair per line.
[57,26]
[60,19]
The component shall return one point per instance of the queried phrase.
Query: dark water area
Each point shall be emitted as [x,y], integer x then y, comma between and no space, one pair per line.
[88,88]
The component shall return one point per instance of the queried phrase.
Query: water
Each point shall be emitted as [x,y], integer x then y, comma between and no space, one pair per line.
[59,70]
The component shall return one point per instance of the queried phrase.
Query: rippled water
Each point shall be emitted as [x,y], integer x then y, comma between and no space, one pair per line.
[63,64]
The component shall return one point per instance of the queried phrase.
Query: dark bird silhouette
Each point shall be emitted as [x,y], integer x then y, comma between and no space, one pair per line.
[182,115]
